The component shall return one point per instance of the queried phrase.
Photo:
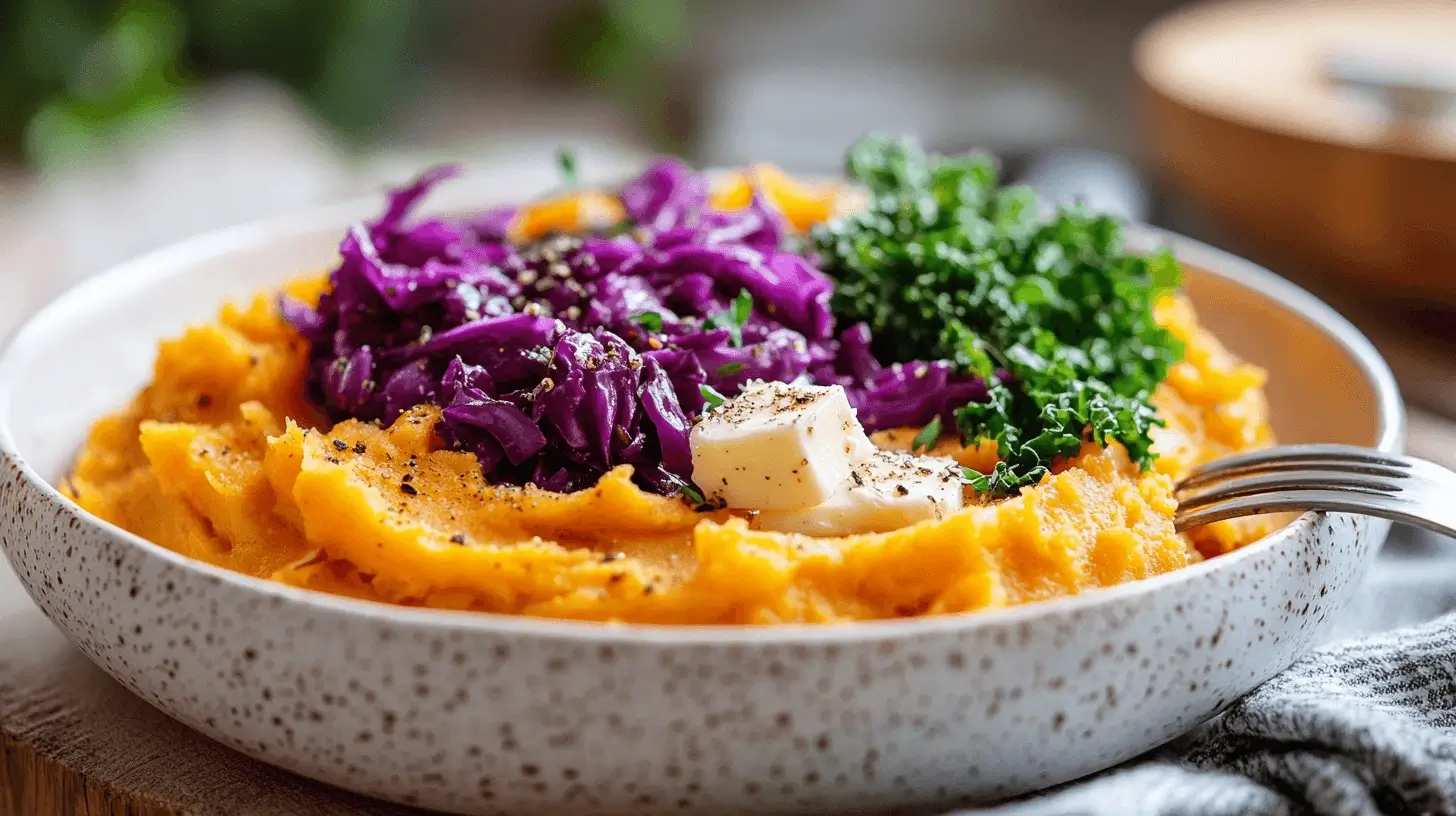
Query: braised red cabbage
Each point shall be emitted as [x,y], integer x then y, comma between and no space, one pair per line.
[558,360]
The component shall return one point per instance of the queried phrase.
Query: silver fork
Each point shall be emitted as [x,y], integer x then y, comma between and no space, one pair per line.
[1334,478]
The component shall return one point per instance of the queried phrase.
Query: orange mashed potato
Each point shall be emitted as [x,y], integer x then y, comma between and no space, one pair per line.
[221,459]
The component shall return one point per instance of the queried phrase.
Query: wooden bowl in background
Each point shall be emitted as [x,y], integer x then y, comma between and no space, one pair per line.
[1241,116]
[1348,187]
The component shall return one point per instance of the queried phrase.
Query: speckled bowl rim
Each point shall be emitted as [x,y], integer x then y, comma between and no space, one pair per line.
[184,257]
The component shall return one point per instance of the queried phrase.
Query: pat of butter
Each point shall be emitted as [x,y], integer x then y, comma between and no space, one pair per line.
[777,445]
[889,491]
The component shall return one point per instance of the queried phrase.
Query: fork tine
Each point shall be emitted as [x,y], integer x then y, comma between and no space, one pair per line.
[1283,481]
[1384,506]
[1328,478]
[1307,454]
[1315,467]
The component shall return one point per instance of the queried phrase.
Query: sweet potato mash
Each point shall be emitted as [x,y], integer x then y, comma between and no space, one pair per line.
[222,459]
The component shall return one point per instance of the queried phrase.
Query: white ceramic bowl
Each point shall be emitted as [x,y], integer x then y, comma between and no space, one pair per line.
[481,713]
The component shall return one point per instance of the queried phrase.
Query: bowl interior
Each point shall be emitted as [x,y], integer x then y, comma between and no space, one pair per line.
[1318,390]
[85,354]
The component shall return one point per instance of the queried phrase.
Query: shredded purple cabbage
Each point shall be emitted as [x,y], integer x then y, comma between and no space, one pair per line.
[556,361]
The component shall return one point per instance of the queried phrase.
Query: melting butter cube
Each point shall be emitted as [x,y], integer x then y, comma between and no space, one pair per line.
[888,491]
[777,446]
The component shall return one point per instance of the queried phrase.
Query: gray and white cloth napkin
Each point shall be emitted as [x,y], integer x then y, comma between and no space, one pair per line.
[1365,725]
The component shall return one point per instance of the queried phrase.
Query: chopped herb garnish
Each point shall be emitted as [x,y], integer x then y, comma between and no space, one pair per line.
[693,495]
[742,307]
[566,163]
[928,436]
[1049,309]
[711,395]
[651,321]
[738,313]
[729,369]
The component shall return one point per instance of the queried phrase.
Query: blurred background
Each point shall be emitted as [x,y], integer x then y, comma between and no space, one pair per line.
[1316,136]
[718,79]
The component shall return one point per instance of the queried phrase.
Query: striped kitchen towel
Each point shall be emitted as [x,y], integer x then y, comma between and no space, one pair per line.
[1363,726]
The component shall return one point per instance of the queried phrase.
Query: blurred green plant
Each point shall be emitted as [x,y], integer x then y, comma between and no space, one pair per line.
[122,78]
[630,49]
[77,74]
